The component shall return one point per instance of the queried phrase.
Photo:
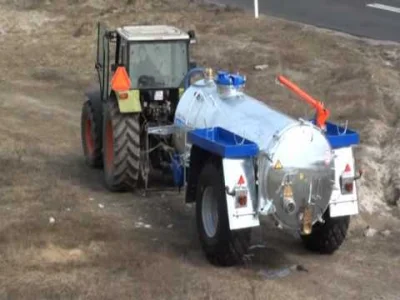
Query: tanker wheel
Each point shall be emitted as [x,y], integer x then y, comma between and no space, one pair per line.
[326,238]
[121,153]
[222,246]
[91,134]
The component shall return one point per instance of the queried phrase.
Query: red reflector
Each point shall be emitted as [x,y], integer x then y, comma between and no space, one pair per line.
[242,200]
[241,180]
[123,96]
[349,187]
[347,169]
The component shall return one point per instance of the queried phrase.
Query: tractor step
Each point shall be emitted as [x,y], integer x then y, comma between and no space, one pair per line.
[161,130]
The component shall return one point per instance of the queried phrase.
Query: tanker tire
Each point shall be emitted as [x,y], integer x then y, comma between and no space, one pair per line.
[121,153]
[91,131]
[328,237]
[225,247]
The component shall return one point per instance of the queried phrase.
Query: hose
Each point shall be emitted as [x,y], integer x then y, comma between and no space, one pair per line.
[186,80]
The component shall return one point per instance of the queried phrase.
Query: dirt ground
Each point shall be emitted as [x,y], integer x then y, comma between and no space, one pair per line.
[63,236]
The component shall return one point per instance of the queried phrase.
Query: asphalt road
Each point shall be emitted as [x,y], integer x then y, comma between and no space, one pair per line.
[350,16]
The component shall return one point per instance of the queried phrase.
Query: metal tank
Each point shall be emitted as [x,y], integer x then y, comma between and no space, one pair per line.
[295,167]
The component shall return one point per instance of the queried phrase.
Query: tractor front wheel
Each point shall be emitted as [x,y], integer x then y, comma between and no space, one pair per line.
[121,148]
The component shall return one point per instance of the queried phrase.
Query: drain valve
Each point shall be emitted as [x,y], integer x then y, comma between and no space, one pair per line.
[307,220]
[288,202]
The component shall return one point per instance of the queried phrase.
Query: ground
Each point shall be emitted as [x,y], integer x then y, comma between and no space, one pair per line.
[63,236]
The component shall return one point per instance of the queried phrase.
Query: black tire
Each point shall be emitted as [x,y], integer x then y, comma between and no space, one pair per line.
[121,153]
[326,238]
[91,134]
[225,247]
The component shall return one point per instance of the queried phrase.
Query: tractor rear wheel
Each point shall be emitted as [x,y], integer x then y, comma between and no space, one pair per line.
[121,143]
[326,238]
[222,246]
[91,134]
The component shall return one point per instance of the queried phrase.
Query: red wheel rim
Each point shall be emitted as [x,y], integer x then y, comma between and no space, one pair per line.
[109,145]
[88,136]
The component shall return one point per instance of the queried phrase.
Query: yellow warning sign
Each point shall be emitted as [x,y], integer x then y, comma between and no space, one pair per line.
[278,165]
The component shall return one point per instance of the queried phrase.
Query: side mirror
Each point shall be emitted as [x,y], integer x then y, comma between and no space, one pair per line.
[192,36]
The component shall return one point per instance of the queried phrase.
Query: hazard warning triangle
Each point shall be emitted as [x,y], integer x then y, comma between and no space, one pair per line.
[278,165]
[120,81]
[347,169]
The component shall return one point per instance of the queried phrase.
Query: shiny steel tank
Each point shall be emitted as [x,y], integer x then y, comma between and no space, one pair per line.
[291,151]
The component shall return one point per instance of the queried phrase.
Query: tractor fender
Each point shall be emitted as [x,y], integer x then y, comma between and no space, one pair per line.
[93,94]
[198,157]
[92,111]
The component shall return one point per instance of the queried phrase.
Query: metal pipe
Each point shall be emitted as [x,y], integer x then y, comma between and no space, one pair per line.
[186,80]
[322,112]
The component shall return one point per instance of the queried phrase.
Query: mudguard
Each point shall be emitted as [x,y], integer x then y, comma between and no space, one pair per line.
[343,204]
[239,177]
[238,169]
[94,94]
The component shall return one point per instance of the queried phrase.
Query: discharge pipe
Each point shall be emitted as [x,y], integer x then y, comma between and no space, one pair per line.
[322,113]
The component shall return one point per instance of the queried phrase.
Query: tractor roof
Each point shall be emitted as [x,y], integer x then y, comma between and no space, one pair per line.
[152,33]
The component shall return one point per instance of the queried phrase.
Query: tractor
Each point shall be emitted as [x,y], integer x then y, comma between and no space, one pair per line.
[126,118]
[238,159]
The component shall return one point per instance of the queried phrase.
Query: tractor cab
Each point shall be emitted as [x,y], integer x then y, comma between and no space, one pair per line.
[156,58]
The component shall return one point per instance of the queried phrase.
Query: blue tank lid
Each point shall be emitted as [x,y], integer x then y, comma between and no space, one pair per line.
[238,80]
[224,78]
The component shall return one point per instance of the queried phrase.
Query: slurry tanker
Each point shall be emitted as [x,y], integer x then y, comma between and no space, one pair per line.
[237,159]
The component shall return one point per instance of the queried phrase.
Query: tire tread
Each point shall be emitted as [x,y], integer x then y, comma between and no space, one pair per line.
[126,134]
[232,246]
[328,237]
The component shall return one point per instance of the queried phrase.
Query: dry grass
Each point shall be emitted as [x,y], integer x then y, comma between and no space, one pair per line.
[48,50]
